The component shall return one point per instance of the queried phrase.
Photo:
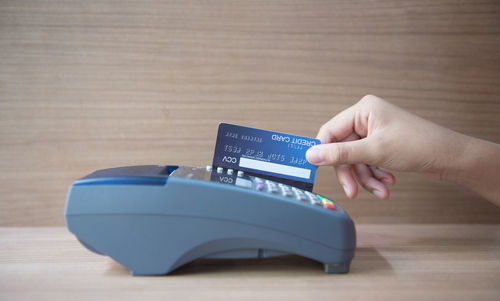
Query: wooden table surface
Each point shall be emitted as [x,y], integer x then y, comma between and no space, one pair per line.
[398,262]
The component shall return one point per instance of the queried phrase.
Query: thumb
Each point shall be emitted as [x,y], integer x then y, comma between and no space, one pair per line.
[352,152]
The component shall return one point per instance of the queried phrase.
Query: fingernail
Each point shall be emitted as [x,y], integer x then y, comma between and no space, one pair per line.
[378,193]
[347,190]
[314,155]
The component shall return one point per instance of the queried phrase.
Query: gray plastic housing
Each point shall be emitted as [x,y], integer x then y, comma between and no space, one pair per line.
[152,220]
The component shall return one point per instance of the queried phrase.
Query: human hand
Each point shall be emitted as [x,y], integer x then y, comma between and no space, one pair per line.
[373,135]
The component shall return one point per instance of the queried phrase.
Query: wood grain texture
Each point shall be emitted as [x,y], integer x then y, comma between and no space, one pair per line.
[401,262]
[86,85]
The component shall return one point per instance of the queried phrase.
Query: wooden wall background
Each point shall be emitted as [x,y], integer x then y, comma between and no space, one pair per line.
[86,85]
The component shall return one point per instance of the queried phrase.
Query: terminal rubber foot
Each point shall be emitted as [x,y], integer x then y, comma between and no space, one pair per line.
[337,268]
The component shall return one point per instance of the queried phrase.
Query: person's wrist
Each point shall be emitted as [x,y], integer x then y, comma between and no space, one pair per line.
[458,162]
[473,163]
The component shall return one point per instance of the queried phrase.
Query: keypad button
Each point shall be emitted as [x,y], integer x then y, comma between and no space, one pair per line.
[329,206]
[272,188]
[285,190]
[327,203]
[243,183]
[300,196]
[312,198]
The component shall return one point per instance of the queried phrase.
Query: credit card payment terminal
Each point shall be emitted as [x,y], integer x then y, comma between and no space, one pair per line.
[153,219]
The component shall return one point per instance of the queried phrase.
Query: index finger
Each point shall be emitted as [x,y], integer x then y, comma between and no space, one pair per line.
[337,128]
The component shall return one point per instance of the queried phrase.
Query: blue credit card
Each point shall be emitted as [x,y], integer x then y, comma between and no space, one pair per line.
[273,155]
